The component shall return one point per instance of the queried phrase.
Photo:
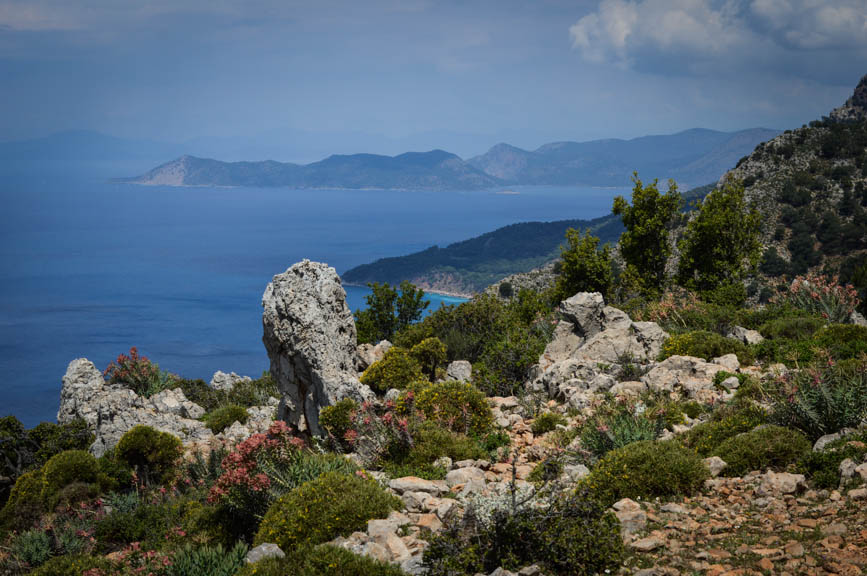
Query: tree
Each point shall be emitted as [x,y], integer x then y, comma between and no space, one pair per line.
[644,245]
[585,268]
[721,245]
[389,310]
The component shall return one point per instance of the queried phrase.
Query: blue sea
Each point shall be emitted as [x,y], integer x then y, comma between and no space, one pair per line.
[90,267]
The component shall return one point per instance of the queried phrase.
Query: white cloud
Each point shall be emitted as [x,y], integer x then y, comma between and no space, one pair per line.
[621,29]
[680,33]
[812,24]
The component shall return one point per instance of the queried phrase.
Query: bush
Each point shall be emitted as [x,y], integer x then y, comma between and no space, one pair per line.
[255,392]
[141,375]
[429,443]
[843,341]
[323,560]
[821,296]
[151,453]
[64,469]
[823,467]
[646,469]
[706,345]
[397,369]
[766,447]
[585,268]
[791,327]
[32,548]
[459,406]
[225,416]
[572,536]
[727,422]
[55,438]
[72,566]
[24,505]
[264,467]
[430,354]
[606,432]
[208,560]
[546,422]
[318,511]
[822,399]
[336,420]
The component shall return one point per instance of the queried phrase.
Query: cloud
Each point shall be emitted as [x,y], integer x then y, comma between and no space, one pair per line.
[702,35]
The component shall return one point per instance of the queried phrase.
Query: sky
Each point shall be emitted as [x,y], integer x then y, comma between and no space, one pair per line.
[296,80]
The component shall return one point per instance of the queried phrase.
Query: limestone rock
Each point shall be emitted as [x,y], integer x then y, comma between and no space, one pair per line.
[745,335]
[310,337]
[728,361]
[460,370]
[716,465]
[263,552]
[110,410]
[368,354]
[222,381]
[778,483]
[683,373]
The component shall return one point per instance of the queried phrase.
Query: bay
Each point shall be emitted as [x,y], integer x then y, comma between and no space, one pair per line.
[90,267]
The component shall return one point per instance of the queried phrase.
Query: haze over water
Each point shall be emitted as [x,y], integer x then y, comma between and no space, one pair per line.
[89,268]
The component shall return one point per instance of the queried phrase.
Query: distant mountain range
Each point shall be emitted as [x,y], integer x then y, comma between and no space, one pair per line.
[436,169]
[692,157]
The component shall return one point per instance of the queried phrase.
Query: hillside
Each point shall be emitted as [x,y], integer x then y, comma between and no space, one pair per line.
[470,266]
[692,157]
[811,186]
[421,170]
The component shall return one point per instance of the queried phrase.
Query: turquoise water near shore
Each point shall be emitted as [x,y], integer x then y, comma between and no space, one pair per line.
[89,268]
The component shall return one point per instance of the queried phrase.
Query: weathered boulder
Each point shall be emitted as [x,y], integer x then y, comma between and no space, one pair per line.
[684,374]
[589,337]
[460,370]
[222,381]
[310,337]
[745,335]
[369,354]
[110,410]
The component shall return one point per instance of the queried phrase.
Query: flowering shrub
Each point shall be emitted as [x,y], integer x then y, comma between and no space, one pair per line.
[263,468]
[334,504]
[378,436]
[139,373]
[823,398]
[821,296]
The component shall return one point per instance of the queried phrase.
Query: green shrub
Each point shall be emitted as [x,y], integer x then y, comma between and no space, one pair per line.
[323,560]
[459,406]
[202,393]
[706,345]
[431,442]
[151,453]
[336,420]
[255,392]
[430,354]
[727,422]
[32,548]
[55,438]
[146,523]
[843,341]
[75,565]
[64,469]
[791,327]
[208,560]
[766,447]
[546,422]
[225,416]
[397,369]
[573,536]
[646,469]
[320,510]
[24,505]
[823,467]
[823,399]
[113,474]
